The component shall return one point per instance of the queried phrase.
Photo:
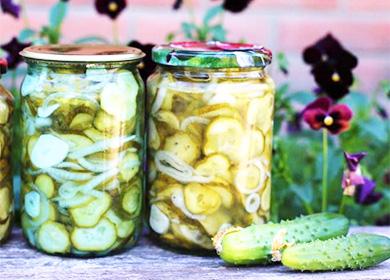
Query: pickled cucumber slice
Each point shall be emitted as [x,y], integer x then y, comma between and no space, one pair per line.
[169,118]
[129,166]
[218,110]
[260,111]
[89,215]
[158,220]
[98,238]
[94,134]
[226,195]
[48,151]
[253,144]
[249,178]
[183,146]
[201,199]
[266,198]
[119,99]
[45,184]
[5,229]
[212,223]
[81,121]
[224,135]
[76,141]
[154,137]
[123,228]
[192,235]
[4,111]
[214,165]
[5,204]
[131,201]
[53,238]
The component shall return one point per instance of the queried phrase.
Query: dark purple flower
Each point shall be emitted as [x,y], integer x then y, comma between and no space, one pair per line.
[332,66]
[323,114]
[9,7]
[353,160]
[13,48]
[295,124]
[236,6]
[177,4]
[3,66]
[111,8]
[383,221]
[365,193]
[147,66]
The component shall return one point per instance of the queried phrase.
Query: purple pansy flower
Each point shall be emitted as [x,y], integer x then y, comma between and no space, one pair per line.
[177,4]
[110,8]
[323,114]
[3,66]
[13,48]
[355,184]
[10,7]
[331,66]
[235,6]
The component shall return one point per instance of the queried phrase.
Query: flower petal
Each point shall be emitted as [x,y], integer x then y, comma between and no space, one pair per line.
[322,103]
[338,127]
[314,118]
[353,160]
[235,6]
[340,112]
[365,193]
[9,7]
[312,55]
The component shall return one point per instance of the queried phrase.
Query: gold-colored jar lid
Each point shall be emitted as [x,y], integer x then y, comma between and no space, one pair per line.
[83,53]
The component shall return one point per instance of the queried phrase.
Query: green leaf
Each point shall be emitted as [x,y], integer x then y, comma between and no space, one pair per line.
[304,192]
[170,37]
[57,14]
[188,29]
[26,35]
[375,127]
[218,33]
[91,39]
[302,97]
[211,14]
[282,62]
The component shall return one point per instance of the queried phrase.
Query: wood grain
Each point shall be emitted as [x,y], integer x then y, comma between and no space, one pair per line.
[148,261]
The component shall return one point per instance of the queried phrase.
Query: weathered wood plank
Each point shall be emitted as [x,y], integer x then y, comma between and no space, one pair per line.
[148,261]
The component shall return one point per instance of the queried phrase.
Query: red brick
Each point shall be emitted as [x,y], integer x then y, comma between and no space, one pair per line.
[369,5]
[373,36]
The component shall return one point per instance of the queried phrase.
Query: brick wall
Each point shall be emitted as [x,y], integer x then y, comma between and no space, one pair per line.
[282,25]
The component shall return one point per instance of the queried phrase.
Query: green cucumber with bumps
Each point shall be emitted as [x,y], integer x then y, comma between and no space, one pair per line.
[253,244]
[356,251]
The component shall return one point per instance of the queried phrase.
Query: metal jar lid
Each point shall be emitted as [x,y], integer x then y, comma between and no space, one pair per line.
[83,53]
[212,55]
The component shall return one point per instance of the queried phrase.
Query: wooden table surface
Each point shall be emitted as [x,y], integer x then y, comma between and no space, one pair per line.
[148,261]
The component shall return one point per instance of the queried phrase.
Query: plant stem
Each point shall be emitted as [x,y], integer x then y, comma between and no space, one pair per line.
[115,32]
[308,208]
[342,204]
[14,80]
[324,170]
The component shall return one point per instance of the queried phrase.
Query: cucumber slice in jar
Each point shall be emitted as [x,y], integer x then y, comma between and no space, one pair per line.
[53,238]
[4,112]
[224,135]
[124,228]
[249,178]
[81,121]
[131,201]
[48,151]
[98,238]
[89,215]
[76,141]
[260,112]
[214,165]
[183,146]
[119,99]
[201,199]
[5,204]
[129,166]
[168,118]
[46,185]
[212,223]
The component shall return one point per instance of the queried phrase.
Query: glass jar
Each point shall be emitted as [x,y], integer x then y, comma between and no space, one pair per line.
[210,140]
[83,150]
[6,197]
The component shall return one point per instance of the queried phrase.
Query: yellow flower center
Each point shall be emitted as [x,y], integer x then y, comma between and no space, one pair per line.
[335,77]
[113,7]
[328,120]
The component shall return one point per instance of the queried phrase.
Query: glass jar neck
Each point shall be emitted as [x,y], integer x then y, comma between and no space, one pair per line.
[203,73]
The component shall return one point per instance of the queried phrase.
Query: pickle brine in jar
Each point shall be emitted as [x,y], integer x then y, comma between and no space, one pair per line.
[6,196]
[83,151]
[210,123]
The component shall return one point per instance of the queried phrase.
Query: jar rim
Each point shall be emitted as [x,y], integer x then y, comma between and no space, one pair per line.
[83,53]
[213,54]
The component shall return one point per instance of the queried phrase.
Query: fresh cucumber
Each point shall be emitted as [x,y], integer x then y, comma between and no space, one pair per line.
[254,244]
[352,252]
